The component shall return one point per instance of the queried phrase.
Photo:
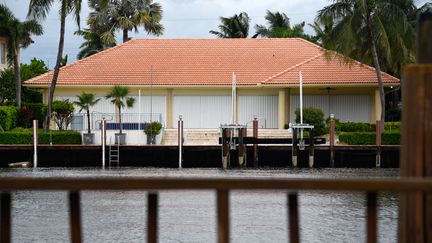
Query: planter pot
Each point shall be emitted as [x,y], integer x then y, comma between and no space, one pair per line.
[120,138]
[88,138]
[151,139]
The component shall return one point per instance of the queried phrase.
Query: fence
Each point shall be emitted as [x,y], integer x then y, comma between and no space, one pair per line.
[130,121]
[222,185]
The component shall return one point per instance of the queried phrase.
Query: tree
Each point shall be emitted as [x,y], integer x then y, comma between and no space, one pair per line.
[236,26]
[62,112]
[85,101]
[28,71]
[279,27]
[18,36]
[364,29]
[92,43]
[39,9]
[124,15]
[118,96]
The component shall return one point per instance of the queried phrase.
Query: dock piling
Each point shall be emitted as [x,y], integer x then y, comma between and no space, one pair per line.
[35,143]
[225,148]
[180,140]
[255,146]
[311,147]
[103,141]
[242,132]
[332,140]
[378,127]
[294,147]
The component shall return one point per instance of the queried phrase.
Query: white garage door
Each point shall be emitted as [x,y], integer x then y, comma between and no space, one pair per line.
[265,107]
[202,111]
[355,108]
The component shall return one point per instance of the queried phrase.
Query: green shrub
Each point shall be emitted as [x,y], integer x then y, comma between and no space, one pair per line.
[312,116]
[355,127]
[8,117]
[368,138]
[39,111]
[153,128]
[392,126]
[25,136]
[62,111]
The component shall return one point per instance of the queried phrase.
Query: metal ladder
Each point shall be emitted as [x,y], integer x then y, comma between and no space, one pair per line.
[114,154]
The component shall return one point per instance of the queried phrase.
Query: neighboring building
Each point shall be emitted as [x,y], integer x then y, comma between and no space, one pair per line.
[3,52]
[192,78]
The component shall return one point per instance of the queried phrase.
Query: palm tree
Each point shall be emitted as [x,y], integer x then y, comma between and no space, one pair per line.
[18,36]
[279,27]
[85,101]
[118,96]
[125,15]
[363,29]
[39,9]
[236,26]
[92,43]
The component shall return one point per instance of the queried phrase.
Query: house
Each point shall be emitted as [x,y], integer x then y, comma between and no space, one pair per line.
[192,78]
[3,53]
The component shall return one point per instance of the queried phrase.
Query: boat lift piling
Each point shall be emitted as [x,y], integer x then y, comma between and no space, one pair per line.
[332,140]
[255,146]
[378,127]
[103,141]
[180,140]
[35,143]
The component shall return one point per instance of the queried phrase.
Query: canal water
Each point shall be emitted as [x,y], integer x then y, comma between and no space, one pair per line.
[190,216]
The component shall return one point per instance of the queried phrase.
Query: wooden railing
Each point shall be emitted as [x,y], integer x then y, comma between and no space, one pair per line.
[222,185]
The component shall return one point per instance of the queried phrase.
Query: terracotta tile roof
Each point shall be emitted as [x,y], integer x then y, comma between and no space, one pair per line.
[211,62]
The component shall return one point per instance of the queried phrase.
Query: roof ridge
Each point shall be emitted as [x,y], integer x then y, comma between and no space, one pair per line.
[292,67]
[80,61]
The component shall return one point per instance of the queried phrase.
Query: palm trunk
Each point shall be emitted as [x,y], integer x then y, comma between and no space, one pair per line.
[120,120]
[57,66]
[378,73]
[88,121]
[125,35]
[17,76]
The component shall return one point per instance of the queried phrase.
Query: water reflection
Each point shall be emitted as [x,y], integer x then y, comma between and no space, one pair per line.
[190,216]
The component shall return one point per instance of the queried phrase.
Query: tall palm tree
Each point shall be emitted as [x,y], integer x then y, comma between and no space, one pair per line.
[364,29]
[125,15]
[85,101]
[39,9]
[279,27]
[18,36]
[236,26]
[118,96]
[92,43]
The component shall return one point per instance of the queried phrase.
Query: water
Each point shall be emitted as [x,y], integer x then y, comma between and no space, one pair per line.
[190,216]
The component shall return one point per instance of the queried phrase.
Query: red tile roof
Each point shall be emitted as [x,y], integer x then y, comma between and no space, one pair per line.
[211,62]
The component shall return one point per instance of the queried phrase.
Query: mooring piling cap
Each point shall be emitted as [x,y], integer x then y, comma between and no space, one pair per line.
[331,116]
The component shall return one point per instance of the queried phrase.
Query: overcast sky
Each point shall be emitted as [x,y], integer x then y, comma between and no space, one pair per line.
[181,19]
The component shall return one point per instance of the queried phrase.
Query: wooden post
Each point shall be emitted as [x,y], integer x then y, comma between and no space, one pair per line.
[294,147]
[293,216]
[223,216]
[332,140]
[75,217]
[311,147]
[371,214]
[225,148]
[152,217]
[378,127]
[415,217]
[242,132]
[255,146]
[180,140]
[5,214]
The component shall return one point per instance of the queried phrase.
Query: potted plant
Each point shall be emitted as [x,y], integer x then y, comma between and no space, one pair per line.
[118,96]
[85,101]
[152,130]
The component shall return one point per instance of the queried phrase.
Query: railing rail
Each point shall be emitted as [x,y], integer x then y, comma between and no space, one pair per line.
[221,185]
[130,121]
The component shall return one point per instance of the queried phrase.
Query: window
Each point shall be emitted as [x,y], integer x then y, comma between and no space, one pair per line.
[2,53]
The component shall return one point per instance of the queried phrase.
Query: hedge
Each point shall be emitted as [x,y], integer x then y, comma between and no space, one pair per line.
[8,117]
[26,137]
[368,138]
[364,126]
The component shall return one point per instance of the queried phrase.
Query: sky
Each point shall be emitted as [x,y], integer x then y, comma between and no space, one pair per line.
[181,19]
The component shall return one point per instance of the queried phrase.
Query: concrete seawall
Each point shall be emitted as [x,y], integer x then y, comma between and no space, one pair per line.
[196,156]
